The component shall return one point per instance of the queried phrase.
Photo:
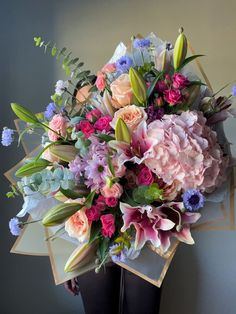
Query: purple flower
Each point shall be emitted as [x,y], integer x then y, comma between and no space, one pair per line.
[116,253]
[61,87]
[7,136]
[124,63]
[234,90]
[193,200]
[141,43]
[154,113]
[50,111]
[14,225]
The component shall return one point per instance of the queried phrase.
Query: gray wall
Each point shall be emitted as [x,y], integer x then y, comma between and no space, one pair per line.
[201,279]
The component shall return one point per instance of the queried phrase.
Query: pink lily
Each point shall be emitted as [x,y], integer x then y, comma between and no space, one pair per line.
[138,150]
[147,221]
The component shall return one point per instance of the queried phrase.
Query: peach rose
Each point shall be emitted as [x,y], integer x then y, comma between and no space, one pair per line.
[115,190]
[78,226]
[131,115]
[121,91]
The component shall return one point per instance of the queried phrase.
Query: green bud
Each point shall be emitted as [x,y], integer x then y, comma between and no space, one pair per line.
[32,167]
[138,85]
[60,213]
[122,132]
[64,152]
[24,114]
[180,49]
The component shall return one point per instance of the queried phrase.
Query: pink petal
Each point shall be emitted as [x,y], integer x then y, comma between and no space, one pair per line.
[190,218]
[165,224]
[165,240]
[140,238]
[184,236]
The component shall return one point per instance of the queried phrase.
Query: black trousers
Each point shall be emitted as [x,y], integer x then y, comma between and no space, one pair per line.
[103,293]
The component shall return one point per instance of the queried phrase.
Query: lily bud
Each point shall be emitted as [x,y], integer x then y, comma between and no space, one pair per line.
[64,152]
[180,49]
[32,167]
[138,85]
[122,132]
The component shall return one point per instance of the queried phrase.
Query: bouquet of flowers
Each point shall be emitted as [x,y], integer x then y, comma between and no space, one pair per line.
[128,157]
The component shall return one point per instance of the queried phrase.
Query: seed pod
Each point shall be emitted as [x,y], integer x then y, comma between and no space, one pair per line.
[180,49]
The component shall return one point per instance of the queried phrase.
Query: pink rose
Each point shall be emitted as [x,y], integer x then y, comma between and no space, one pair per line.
[121,91]
[93,115]
[59,125]
[111,201]
[161,86]
[145,176]
[109,68]
[100,202]
[115,190]
[108,225]
[100,81]
[78,226]
[179,81]
[173,96]
[103,123]
[86,127]
[93,213]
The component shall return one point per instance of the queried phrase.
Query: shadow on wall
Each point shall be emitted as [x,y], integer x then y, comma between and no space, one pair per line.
[27,76]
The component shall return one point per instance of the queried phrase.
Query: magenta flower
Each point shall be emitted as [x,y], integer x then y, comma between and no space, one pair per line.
[173,96]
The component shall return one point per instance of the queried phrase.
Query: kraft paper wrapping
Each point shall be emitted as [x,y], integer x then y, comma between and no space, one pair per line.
[152,263]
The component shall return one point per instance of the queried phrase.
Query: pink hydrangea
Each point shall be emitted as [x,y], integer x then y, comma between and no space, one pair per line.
[186,152]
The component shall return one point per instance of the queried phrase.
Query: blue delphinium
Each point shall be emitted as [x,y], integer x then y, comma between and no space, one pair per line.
[123,64]
[141,43]
[14,225]
[234,90]
[7,136]
[50,111]
[193,200]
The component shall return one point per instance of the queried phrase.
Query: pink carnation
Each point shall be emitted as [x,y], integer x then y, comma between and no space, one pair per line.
[59,125]
[186,152]
[103,123]
[179,81]
[173,96]
[100,81]
[86,127]
[145,176]
[108,225]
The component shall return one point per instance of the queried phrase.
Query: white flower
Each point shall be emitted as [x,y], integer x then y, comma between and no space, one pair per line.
[60,87]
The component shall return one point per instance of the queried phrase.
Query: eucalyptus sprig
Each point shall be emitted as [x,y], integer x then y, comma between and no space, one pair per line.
[71,65]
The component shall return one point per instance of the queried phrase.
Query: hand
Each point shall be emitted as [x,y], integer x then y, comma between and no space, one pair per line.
[72,286]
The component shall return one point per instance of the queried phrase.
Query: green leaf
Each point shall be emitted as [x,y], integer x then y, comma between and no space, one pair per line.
[45,148]
[105,137]
[153,193]
[95,231]
[187,60]
[24,114]
[72,194]
[89,200]
[37,41]
[82,75]
[54,51]
[103,248]
[110,166]
[32,167]
[61,52]
[139,194]
[153,84]
[73,61]
[196,83]
[60,213]
[122,132]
